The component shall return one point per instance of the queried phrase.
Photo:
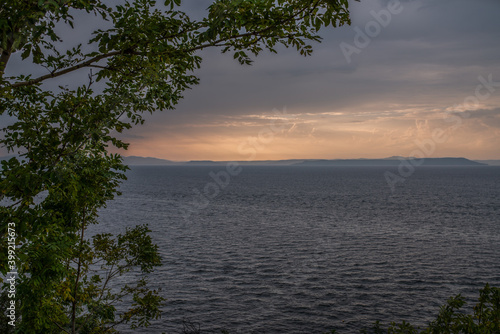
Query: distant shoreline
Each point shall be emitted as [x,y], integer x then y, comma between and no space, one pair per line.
[392,161]
[387,162]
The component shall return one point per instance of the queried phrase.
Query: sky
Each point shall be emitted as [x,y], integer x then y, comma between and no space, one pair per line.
[423,82]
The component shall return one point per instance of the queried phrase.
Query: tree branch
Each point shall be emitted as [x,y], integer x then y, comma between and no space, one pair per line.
[73,309]
[59,326]
[90,62]
[255,33]
[67,70]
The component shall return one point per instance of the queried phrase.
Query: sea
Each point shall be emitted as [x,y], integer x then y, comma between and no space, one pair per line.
[291,249]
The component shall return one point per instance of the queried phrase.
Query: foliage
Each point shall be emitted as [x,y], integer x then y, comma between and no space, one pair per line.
[63,174]
[452,320]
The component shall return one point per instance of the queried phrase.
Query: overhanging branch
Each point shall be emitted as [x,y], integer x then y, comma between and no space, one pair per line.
[55,74]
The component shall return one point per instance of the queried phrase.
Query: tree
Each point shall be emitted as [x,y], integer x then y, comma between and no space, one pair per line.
[63,174]
[451,318]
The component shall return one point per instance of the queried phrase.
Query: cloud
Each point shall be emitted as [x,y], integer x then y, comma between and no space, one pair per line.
[397,89]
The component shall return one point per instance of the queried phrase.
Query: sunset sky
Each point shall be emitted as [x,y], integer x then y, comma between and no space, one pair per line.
[433,67]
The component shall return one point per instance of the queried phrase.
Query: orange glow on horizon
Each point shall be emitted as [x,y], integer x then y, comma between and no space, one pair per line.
[333,135]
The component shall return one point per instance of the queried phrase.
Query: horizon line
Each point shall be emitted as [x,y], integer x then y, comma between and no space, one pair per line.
[312,159]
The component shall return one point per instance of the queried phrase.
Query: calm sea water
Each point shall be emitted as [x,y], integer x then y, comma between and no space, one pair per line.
[308,249]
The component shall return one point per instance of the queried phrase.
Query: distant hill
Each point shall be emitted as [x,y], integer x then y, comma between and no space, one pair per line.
[246,163]
[133,160]
[391,161]
[489,162]
[201,163]
[137,161]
